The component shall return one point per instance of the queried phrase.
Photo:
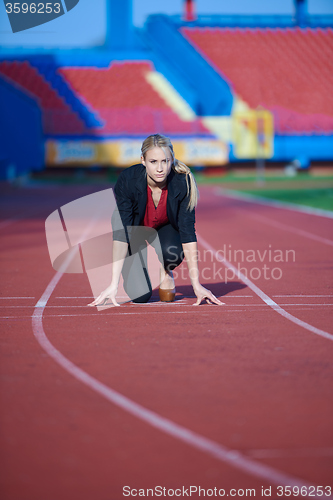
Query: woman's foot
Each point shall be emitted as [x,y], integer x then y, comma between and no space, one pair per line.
[167,281]
[167,290]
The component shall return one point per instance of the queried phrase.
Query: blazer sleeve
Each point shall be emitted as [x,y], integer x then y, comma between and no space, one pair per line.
[122,217]
[186,222]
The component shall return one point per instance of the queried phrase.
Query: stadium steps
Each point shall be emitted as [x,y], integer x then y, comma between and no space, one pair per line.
[126,102]
[172,98]
[57,117]
[297,88]
[56,81]
[187,68]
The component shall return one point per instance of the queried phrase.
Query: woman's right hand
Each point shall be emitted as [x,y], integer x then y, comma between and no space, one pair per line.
[109,293]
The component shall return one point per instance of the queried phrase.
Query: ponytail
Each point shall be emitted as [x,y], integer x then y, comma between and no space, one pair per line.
[192,189]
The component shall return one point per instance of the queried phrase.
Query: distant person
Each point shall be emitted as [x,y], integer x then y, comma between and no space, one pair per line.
[159,193]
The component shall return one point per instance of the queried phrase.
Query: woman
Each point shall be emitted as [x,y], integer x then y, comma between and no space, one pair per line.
[159,193]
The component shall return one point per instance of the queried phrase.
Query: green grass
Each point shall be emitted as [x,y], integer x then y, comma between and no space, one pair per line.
[270,178]
[317,198]
[305,188]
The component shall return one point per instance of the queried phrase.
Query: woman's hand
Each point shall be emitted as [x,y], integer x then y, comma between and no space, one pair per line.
[109,293]
[202,293]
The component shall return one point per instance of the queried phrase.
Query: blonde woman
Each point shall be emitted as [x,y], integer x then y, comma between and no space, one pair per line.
[158,193]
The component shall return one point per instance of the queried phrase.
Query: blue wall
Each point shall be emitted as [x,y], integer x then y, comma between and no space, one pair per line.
[214,97]
[21,137]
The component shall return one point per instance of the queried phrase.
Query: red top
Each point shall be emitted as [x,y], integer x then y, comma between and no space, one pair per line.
[156,216]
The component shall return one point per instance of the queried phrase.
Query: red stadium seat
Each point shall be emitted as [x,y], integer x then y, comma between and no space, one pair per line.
[125,101]
[289,71]
[31,81]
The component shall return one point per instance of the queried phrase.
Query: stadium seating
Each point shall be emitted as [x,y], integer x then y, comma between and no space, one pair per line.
[125,102]
[118,100]
[58,117]
[297,88]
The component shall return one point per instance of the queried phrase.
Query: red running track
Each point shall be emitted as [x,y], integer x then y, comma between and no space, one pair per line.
[232,397]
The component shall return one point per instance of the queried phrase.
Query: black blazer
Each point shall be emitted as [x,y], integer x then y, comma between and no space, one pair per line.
[131,196]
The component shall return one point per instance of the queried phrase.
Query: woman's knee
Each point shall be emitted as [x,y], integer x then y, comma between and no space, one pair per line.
[172,256]
[172,249]
[143,298]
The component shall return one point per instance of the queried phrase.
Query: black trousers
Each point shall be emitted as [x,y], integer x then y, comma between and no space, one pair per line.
[168,248]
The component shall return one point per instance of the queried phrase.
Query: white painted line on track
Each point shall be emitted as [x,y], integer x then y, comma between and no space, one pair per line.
[312,296]
[302,452]
[60,315]
[265,298]
[293,230]
[186,297]
[231,457]
[97,314]
[260,200]
[14,298]
[167,304]
[183,297]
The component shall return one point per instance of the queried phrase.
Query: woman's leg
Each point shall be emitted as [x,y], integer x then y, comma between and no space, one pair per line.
[169,251]
[172,249]
[136,279]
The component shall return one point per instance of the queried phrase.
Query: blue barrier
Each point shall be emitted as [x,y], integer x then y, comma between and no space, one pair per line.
[21,136]
[214,96]
[305,147]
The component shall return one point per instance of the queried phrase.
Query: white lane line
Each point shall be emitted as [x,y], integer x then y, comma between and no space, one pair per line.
[216,450]
[260,200]
[302,452]
[265,298]
[293,230]
[183,297]
[97,314]
[190,296]
[185,311]
[167,304]
[14,298]
[315,296]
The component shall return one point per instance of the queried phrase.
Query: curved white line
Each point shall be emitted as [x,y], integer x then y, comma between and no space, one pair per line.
[270,302]
[231,457]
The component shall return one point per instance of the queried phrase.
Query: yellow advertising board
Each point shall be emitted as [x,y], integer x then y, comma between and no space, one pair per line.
[125,152]
[253,134]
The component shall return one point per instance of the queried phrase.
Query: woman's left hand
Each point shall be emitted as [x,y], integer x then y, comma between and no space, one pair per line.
[202,293]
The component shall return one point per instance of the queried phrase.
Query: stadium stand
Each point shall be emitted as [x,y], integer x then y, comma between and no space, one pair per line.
[211,70]
[297,88]
[125,101]
[118,100]
[57,116]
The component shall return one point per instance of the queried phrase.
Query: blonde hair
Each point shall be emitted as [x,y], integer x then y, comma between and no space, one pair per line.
[161,141]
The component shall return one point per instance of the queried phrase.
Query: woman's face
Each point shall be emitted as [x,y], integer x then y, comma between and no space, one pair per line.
[158,163]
